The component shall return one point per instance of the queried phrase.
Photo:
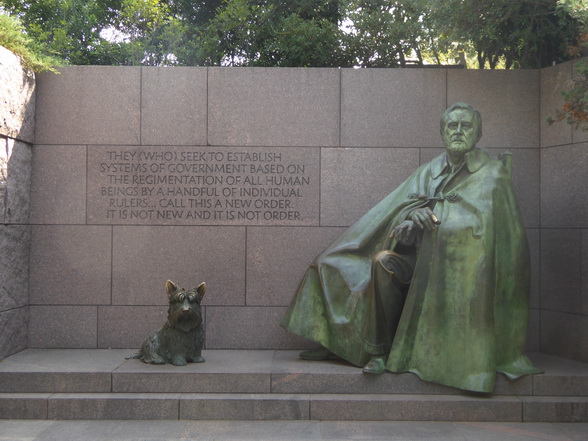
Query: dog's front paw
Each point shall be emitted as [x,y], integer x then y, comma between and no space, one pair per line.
[179,361]
[198,359]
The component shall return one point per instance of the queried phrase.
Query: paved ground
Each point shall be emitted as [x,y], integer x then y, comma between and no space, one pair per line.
[44,430]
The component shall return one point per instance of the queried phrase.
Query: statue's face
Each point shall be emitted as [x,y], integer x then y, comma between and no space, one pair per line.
[461,132]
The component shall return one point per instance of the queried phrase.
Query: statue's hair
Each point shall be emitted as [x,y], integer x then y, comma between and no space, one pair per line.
[463,106]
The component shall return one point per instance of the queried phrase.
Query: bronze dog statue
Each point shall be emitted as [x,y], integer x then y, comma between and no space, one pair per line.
[181,339]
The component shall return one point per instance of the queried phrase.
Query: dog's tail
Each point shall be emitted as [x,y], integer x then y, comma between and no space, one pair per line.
[133,356]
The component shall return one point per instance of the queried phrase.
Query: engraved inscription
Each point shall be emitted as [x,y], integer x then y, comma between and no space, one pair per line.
[203,185]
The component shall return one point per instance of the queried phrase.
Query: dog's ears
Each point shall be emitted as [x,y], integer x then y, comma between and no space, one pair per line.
[201,290]
[170,288]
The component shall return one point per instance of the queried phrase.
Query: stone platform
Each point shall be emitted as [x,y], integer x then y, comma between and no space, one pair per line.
[270,385]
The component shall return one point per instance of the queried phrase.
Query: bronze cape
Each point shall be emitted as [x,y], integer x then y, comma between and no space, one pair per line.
[465,314]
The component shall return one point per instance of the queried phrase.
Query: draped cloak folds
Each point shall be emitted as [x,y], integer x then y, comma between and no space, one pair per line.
[465,314]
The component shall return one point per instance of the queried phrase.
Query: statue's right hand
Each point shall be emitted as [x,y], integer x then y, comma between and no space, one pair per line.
[424,218]
[403,232]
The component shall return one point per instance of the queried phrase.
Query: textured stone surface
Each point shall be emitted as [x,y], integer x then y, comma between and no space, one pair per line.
[273,107]
[554,79]
[562,409]
[128,326]
[173,106]
[171,185]
[507,99]
[392,107]
[17,106]
[244,407]
[356,179]
[13,331]
[62,327]
[223,372]
[113,406]
[145,257]
[89,105]
[15,180]
[277,259]
[562,334]
[71,265]
[561,270]
[58,185]
[14,270]
[414,408]
[561,378]
[21,406]
[564,186]
[248,328]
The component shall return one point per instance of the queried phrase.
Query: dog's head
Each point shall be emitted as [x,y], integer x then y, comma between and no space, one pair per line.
[184,305]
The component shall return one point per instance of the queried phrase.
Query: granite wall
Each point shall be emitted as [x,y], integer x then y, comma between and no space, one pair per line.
[564,226]
[240,177]
[17,101]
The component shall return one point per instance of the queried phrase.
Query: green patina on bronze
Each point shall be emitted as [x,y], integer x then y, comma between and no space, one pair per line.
[463,315]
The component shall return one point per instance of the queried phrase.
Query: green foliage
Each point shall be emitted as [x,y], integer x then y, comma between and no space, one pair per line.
[33,54]
[364,33]
[575,108]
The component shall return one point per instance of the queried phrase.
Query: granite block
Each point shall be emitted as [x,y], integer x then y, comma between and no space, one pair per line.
[563,185]
[380,107]
[15,181]
[145,257]
[585,272]
[47,330]
[113,406]
[13,329]
[59,370]
[70,265]
[554,79]
[114,430]
[248,328]
[356,179]
[525,178]
[223,372]
[244,407]
[15,243]
[397,430]
[414,408]
[508,101]
[17,106]
[562,377]
[561,268]
[58,185]
[240,431]
[194,185]
[173,106]
[562,334]
[89,105]
[533,343]
[128,326]
[23,406]
[51,382]
[555,409]
[273,107]
[277,259]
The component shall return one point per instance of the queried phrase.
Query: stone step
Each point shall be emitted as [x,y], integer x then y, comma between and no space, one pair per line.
[332,407]
[101,384]
[255,371]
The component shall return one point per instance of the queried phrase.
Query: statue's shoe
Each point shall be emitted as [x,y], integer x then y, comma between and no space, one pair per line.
[374,366]
[317,354]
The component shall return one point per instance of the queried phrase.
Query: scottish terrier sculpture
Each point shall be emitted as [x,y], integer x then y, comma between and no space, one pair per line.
[181,339]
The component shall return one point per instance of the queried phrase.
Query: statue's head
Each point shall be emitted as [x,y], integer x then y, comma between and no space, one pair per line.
[461,128]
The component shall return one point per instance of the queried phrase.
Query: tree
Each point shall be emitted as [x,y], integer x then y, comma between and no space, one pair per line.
[521,34]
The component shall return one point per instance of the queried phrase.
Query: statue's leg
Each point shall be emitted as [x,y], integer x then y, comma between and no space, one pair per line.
[391,274]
